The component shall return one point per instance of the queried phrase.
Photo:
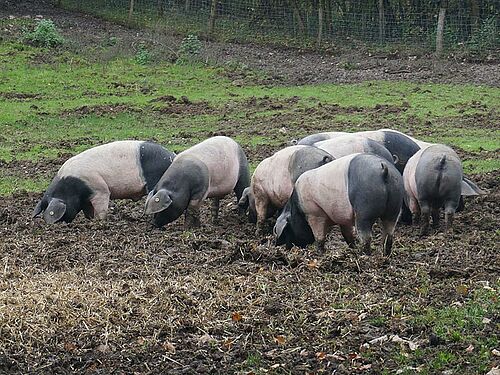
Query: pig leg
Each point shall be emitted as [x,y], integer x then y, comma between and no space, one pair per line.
[320,227]
[348,234]
[192,215]
[435,217]
[364,229]
[388,227]
[100,203]
[214,210]
[415,210]
[448,221]
[261,206]
[425,211]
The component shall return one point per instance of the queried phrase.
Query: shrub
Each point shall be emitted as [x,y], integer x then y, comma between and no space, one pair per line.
[143,56]
[44,35]
[189,49]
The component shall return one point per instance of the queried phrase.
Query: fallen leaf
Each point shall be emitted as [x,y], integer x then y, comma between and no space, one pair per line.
[365,367]
[280,339]
[353,356]
[169,347]
[228,344]
[69,346]
[321,355]
[313,264]
[337,357]
[362,316]
[275,366]
[462,289]
[486,321]
[103,348]
[378,339]
[495,352]
[470,348]
[236,317]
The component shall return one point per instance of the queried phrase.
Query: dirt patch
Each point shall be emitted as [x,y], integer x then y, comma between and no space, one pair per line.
[182,106]
[118,295]
[18,96]
[99,110]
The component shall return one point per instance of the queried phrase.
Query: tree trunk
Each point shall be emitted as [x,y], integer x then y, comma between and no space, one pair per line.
[131,10]
[321,11]
[213,15]
[440,28]
[381,21]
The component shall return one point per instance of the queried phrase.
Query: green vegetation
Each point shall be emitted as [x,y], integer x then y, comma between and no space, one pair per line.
[56,103]
[44,35]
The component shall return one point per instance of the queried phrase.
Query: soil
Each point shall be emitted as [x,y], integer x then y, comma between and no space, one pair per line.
[118,296]
[286,66]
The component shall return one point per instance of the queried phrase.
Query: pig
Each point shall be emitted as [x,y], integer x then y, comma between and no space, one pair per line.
[87,181]
[318,137]
[352,192]
[273,179]
[433,179]
[210,169]
[352,144]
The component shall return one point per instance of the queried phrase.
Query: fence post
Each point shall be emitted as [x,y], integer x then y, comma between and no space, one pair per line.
[320,22]
[440,28]
[381,21]
[213,15]
[130,10]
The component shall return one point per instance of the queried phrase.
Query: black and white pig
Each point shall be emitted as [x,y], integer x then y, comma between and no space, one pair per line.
[352,192]
[433,179]
[210,169]
[273,179]
[87,181]
[353,144]
[318,137]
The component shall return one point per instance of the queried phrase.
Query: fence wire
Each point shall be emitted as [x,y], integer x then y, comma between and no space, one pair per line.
[470,23]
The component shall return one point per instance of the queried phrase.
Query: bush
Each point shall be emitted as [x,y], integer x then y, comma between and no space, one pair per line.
[189,49]
[143,56]
[44,35]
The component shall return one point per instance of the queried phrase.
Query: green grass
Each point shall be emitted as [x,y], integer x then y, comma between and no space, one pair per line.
[60,102]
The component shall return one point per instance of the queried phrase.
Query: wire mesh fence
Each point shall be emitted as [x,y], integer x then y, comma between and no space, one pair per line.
[470,23]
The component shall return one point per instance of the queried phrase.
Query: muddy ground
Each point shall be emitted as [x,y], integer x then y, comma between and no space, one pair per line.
[120,297]
[287,66]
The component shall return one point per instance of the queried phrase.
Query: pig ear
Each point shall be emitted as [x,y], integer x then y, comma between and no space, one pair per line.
[38,209]
[470,188]
[54,211]
[243,202]
[281,224]
[327,158]
[395,158]
[157,202]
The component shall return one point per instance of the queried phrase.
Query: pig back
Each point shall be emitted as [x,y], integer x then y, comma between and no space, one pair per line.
[116,165]
[324,191]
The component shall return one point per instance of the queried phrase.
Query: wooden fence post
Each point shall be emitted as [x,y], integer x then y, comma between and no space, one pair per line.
[213,15]
[381,21]
[130,10]
[321,16]
[440,28]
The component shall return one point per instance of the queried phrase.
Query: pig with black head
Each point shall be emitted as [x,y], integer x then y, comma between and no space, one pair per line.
[87,181]
[433,179]
[318,137]
[210,169]
[352,192]
[273,179]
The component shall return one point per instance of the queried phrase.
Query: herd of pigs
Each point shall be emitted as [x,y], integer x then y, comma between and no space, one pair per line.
[348,179]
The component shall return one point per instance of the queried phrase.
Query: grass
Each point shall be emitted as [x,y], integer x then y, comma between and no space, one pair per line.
[58,102]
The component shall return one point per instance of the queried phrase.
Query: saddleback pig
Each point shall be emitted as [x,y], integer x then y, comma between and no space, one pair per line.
[210,169]
[352,192]
[433,179]
[273,179]
[87,181]
[353,144]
